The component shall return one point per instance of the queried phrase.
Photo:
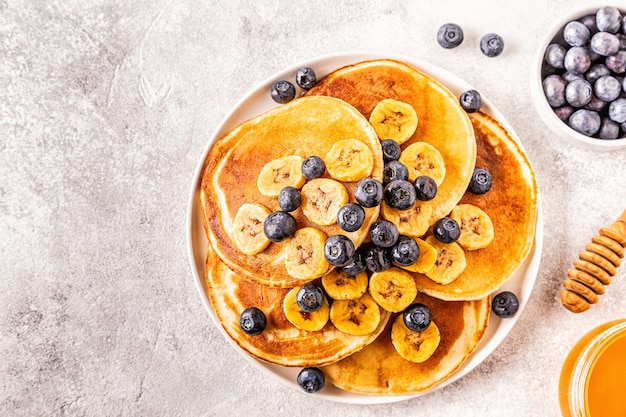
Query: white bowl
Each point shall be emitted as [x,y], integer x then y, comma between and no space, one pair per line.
[560,128]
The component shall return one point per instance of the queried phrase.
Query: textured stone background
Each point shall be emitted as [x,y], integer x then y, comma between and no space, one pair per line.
[106,107]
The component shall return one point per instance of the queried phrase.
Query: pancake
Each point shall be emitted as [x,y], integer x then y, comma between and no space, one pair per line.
[511,203]
[441,121]
[304,127]
[281,342]
[378,369]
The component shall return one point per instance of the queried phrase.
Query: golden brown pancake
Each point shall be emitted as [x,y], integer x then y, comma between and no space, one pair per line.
[378,369]
[306,126]
[512,206]
[441,120]
[281,342]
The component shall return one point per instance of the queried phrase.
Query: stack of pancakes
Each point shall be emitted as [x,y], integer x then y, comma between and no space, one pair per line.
[338,107]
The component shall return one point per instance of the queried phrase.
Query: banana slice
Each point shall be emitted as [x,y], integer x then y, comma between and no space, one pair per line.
[476,226]
[301,319]
[393,289]
[394,119]
[414,346]
[280,173]
[413,221]
[342,286]
[349,160]
[422,158]
[358,317]
[450,261]
[321,200]
[304,254]
[247,232]
[426,260]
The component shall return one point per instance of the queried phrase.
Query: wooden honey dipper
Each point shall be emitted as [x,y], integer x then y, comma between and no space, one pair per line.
[594,267]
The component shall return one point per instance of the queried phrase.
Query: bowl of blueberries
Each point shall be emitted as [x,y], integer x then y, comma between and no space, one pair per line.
[579,77]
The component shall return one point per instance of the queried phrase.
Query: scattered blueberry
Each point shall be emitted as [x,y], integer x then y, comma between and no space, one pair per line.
[425,188]
[400,194]
[471,101]
[585,121]
[289,199]
[279,226]
[405,252]
[391,150]
[446,230]
[313,167]
[578,92]
[252,321]
[491,45]
[480,182]
[350,217]
[305,78]
[384,233]
[450,35]
[311,379]
[369,192]
[417,317]
[505,304]
[282,91]
[394,170]
[357,265]
[338,250]
[377,259]
[310,298]
[576,33]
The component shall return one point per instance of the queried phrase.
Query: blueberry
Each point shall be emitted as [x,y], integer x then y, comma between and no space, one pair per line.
[282,91]
[608,129]
[491,45]
[577,60]
[590,21]
[339,250]
[480,182]
[358,263]
[608,19]
[585,121]
[417,317]
[384,233]
[369,192]
[446,230]
[576,33]
[604,43]
[279,226]
[505,304]
[607,88]
[578,92]
[595,104]
[564,112]
[400,194]
[405,252]
[554,55]
[350,217]
[252,321]
[305,78]
[471,101]
[377,259]
[394,170]
[554,90]
[289,199]
[313,167]
[311,379]
[617,110]
[617,62]
[425,188]
[391,150]
[596,71]
[450,35]
[310,298]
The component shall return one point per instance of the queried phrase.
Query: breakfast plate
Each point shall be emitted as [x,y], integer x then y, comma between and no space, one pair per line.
[259,101]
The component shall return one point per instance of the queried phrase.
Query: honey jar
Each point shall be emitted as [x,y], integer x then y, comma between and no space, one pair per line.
[593,376]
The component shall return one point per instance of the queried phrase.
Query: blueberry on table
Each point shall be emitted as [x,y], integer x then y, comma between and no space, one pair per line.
[313,167]
[471,101]
[446,230]
[252,321]
[405,252]
[450,35]
[491,45]
[391,150]
[369,192]
[305,78]
[282,91]
[350,217]
[311,379]
[289,199]
[339,250]
[400,194]
[425,188]
[357,265]
[279,226]
[377,259]
[310,298]
[394,170]
[417,317]
[384,234]
[505,304]
[480,182]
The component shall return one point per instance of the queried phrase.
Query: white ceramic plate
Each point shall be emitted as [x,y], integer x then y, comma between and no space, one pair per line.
[258,101]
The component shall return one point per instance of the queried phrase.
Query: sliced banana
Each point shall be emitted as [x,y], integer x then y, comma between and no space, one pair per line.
[426,260]
[422,158]
[394,119]
[349,160]
[304,254]
[342,286]
[321,200]
[476,226]
[301,319]
[450,261]
[393,289]
[414,346]
[280,173]
[413,221]
[247,232]
[358,317]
